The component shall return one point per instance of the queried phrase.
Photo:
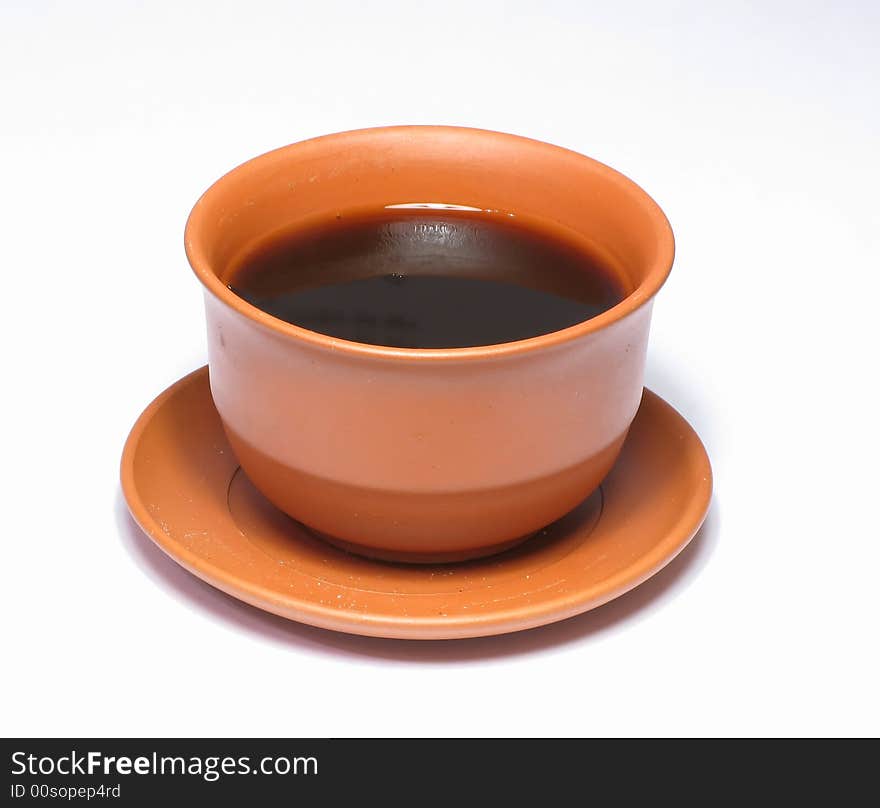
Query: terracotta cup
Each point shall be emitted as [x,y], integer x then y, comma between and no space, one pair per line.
[427,455]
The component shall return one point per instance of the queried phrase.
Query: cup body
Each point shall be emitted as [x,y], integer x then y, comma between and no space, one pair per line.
[427,455]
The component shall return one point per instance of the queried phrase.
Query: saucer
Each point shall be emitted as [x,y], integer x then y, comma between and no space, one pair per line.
[185,489]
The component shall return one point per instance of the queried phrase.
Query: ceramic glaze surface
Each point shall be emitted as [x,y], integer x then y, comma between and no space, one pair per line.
[427,454]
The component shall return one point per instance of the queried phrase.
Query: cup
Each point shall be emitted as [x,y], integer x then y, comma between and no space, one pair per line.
[427,455]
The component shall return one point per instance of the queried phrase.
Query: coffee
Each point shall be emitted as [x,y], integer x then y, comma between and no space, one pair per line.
[427,279]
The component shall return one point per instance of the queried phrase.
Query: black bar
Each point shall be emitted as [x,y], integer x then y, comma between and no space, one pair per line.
[383,772]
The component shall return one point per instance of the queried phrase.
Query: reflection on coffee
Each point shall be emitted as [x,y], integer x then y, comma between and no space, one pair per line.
[427,279]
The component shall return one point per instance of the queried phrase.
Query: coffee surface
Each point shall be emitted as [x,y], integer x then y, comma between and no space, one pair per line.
[416,279]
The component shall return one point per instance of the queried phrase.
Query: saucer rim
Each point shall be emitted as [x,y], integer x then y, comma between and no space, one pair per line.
[507,620]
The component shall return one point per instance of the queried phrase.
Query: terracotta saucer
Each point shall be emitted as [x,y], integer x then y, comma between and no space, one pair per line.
[185,489]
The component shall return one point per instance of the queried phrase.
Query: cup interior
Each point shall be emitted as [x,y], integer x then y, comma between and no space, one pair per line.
[560,191]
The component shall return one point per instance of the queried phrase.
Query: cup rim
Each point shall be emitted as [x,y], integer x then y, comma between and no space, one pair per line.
[651,283]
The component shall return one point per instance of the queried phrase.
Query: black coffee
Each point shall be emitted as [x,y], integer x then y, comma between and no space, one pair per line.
[416,279]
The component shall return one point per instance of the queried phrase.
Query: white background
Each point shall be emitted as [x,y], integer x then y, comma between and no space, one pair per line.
[756,128]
